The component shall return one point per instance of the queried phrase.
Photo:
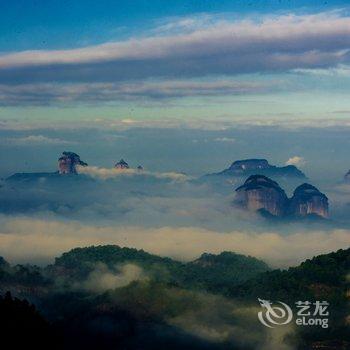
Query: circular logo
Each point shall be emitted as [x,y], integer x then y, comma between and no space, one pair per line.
[273,316]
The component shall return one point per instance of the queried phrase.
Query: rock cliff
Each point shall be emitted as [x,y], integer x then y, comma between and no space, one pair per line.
[308,200]
[259,193]
[263,194]
[68,162]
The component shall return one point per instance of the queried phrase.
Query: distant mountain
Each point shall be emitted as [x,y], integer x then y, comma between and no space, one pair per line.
[67,165]
[260,193]
[247,167]
[32,176]
[347,176]
[210,271]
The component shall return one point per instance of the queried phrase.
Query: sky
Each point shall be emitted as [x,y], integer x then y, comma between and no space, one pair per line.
[67,62]
[183,88]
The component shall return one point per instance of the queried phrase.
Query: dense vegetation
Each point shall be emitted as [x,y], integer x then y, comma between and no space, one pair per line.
[169,301]
[209,272]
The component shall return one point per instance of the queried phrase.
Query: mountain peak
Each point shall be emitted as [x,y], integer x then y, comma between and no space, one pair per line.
[68,162]
[246,167]
[260,193]
[122,164]
[307,199]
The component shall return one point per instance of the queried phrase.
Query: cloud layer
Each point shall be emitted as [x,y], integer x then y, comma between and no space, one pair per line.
[274,43]
[42,94]
[159,63]
[23,239]
[110,173]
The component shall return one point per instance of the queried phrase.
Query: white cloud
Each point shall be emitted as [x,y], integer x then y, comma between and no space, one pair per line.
[25,239]
[103,278]
[48,93]
[220,123]
[276,43]
[297,161]
[339,71]
[109,173]
[36,140]
[225,139]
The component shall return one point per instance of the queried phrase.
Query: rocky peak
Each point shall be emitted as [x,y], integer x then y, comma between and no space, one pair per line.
[254,166]
[68,162]
[308,200]
[249,164]
[122,164]
[259,193]
[347,176]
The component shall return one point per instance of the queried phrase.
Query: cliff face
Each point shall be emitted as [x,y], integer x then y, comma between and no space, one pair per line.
[261,193]
[68,162]
[307,200]
[248,167]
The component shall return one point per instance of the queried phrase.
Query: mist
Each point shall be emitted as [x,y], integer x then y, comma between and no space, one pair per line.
[168,208]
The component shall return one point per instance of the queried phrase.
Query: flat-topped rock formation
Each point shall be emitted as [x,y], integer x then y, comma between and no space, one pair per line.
[259,193]
[248,167]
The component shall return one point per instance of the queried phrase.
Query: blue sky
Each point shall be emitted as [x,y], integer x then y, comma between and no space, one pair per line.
[40,24]
[183,60]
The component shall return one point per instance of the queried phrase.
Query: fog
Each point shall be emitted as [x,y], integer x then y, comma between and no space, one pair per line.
[168,208]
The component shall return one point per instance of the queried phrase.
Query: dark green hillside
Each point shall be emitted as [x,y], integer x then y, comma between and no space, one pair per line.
[79,262]
[177,292]
[19,276]
[323,275]
[217,273]
[210,272]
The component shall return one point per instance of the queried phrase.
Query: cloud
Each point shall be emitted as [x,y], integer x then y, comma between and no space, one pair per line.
[24,239]
[276,43]
[36,140]
[109,173]
[296,160]
[338,71]
[219,123]
[103,278]
[225,139]
[43,94]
